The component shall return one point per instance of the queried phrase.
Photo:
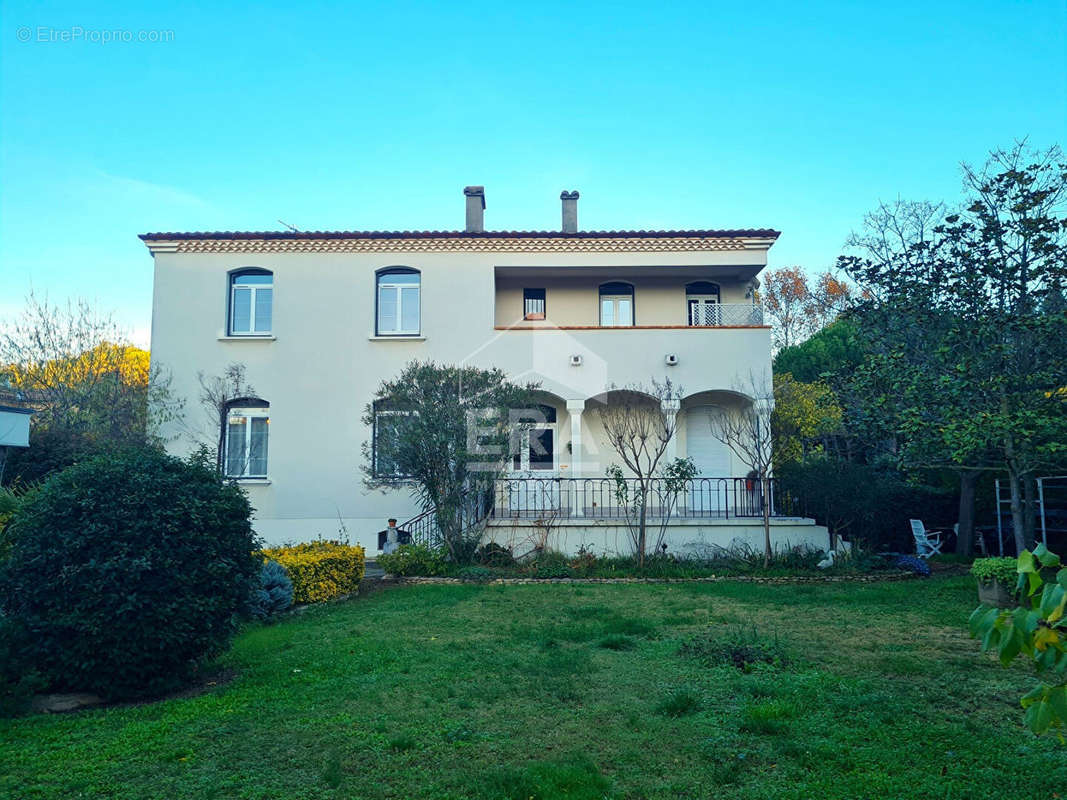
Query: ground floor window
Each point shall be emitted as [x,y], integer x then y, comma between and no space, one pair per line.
[247,433]
[386,443]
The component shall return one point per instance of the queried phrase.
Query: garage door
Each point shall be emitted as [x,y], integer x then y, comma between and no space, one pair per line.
[710,455]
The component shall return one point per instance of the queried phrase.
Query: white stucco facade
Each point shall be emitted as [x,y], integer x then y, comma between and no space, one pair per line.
[323,359]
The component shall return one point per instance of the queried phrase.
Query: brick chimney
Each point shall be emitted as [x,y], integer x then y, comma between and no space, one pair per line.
[475,209]
[570,211]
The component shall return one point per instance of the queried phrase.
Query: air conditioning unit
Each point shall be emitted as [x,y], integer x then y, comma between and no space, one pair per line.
[576,361]
[671,360]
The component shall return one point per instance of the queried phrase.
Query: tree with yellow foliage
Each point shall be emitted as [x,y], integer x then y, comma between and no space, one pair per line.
[804,414]
[89,387]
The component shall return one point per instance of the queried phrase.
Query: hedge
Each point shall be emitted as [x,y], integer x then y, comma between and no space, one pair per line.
[320,570]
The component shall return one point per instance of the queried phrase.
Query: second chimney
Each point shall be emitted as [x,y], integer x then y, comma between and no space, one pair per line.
[475,209]
[570,211]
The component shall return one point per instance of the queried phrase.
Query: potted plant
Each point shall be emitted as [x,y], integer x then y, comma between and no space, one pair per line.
[997,579]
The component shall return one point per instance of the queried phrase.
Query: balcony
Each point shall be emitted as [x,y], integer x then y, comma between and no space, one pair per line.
[625,297]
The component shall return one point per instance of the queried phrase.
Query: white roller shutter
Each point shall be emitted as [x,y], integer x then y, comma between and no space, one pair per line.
[710,455]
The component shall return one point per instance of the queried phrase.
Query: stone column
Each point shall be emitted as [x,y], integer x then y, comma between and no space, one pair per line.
[575,409]
[670,411]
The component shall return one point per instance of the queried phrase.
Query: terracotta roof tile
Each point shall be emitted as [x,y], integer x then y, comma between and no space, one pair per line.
[731,233]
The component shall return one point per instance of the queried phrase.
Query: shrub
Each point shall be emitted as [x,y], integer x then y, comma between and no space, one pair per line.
[1000,570]
[913,564]
[583,562]
[480,574]
[128,571]
[413,560]
[492,554]
[865,504]
[548,564]
[320,570]
[275,592]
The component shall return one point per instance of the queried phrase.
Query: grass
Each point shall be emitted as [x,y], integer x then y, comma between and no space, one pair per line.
[573,691]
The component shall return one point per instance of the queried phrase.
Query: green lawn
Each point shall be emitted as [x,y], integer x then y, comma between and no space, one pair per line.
[510,691]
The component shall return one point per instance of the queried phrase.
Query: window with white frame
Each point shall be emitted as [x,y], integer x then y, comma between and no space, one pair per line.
[386,442]
[702,302]
[616,305]
[251,302]
[398,302]
[245,442]
[534,442]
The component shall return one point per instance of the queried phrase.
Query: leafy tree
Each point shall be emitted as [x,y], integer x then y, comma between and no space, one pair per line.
[967,331]
[804,413]
[797,307]
[445,432]
[89,388]
[833,351]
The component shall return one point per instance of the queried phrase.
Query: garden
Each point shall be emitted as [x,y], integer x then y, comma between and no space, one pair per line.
[222,669]
[584,691]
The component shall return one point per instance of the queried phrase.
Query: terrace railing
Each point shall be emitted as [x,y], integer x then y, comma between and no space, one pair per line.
[725,315]
[600,498]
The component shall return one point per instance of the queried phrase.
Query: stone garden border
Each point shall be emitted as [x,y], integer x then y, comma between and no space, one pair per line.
[880,578]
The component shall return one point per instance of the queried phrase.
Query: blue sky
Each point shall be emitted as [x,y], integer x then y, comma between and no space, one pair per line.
[799,116]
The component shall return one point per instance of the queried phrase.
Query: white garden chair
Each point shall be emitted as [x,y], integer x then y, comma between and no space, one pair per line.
[927,543]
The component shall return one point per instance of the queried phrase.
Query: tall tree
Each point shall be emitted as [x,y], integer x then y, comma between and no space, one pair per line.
[446,433]
[967,328]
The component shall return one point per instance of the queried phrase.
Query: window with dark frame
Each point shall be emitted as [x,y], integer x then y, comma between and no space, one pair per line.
[533,303]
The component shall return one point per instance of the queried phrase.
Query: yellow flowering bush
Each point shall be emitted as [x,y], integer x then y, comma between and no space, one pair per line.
[320,570]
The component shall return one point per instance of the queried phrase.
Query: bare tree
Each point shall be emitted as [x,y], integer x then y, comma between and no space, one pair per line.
[639,429]
[89,387]
[747,432]
[218,393]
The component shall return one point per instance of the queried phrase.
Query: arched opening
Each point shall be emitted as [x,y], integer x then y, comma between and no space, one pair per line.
[616,304]
[251,302]
[702,300]
[245,438]
[398,302]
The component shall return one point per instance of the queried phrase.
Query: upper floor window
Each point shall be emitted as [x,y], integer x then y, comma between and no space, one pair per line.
[398,302]
[533,303]
[251,302]
[702,302]
[616,304]
[245,440]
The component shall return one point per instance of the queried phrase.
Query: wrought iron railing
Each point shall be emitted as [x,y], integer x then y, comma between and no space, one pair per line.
[725,314]
[604,498]
[425,529]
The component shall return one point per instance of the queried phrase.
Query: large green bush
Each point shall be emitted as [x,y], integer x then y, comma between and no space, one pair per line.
[128,571]
[865,504]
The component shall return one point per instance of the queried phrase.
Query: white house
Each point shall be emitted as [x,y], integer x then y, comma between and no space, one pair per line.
[319,319]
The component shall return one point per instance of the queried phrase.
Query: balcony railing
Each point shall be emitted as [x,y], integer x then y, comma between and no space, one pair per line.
[603,498]
[712,315]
